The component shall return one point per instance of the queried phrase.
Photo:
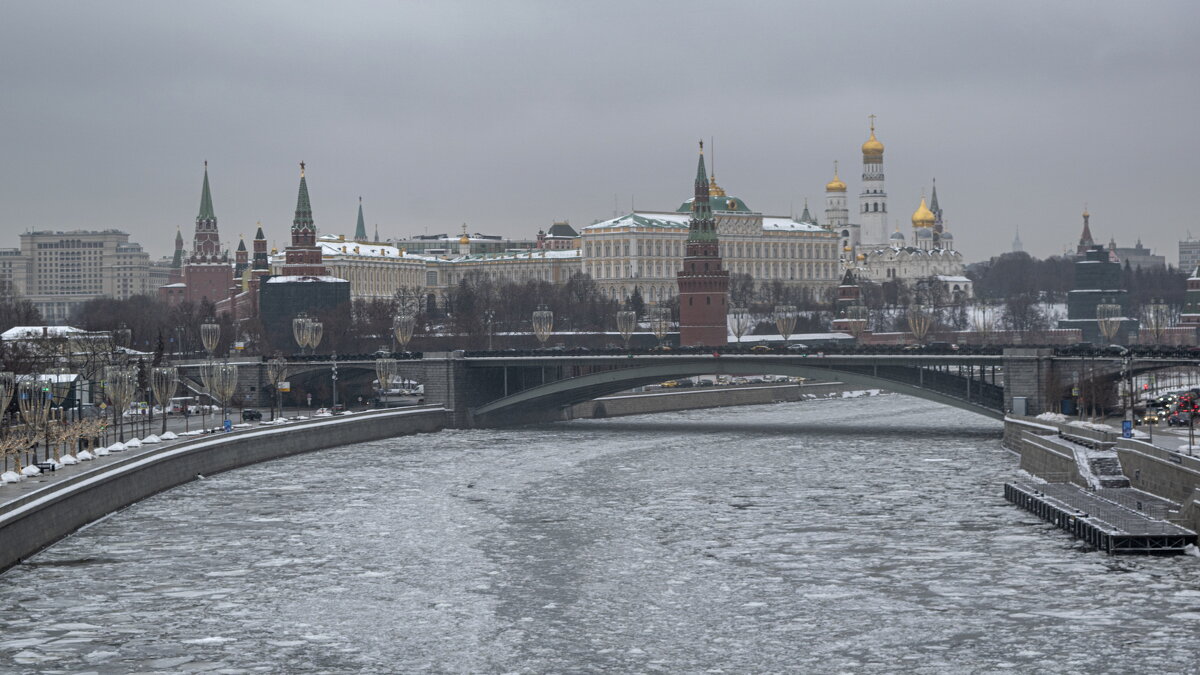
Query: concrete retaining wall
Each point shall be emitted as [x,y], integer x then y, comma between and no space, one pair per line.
[691,399]
[40,518]
[1166,474]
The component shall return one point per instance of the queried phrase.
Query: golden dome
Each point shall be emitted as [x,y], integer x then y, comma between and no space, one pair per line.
[872,148]
[835,185]
[464,239]
[923,217]
[715,190]
[861,257]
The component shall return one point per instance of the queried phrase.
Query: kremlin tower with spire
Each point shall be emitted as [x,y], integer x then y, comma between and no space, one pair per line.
[207,275]
[703,285]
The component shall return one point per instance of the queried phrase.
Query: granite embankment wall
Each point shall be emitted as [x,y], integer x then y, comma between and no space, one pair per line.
[1164,473]
[667,400]
[40,518]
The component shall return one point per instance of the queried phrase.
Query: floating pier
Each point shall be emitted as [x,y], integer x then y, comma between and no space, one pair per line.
[1113,521]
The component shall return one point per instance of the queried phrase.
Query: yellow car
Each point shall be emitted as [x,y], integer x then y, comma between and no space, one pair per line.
[670,383]
[761,348]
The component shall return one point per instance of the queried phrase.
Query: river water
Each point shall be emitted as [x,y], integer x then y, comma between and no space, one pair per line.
[855,535]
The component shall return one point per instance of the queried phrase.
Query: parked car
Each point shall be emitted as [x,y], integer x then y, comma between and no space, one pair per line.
[251,415]
[760,348]
[1150,418]
[798,347]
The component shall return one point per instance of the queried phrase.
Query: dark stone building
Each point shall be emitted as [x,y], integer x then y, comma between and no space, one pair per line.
[1097,281]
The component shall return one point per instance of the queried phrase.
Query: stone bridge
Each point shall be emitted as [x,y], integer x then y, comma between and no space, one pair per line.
[497,389]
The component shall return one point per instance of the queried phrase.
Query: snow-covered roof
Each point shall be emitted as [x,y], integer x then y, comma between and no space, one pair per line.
[953,279]
[305,279]
[332,246]
[539,254]
[178,284]
[784,224]
[669,220]
[32,332]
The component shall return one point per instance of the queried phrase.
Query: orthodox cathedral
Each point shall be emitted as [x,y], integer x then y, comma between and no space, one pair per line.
[925,257]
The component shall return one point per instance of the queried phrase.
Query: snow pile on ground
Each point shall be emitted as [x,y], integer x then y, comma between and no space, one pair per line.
[1052,417]
[85,456]
[1188,448]
[116,447]
[192,433]
[133,443]
[1190,549]
[10,477]
[101,451]
[860,393]
[152,439]
[1092,425]
[70,459]
[169,436]
[243,425]
[31,470]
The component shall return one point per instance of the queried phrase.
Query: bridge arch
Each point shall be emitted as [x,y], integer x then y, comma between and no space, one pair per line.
[546,401]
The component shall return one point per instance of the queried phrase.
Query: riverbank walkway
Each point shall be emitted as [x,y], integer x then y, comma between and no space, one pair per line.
[1113,520]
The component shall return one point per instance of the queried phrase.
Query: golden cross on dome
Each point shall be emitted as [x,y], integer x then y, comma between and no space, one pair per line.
[872,117]
[835,167]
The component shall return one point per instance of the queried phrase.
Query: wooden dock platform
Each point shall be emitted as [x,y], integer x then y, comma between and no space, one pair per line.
[1106,521]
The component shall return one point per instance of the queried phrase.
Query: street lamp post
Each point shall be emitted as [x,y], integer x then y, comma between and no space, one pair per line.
[210,336]
[1157,315]
[163,381]
[34,401]
[402,327]
[1108,320]
[661,324]
[489,317]
[385,373]
[919,321]
[785,320]
[277,373]
[119,386]
[856,318]
[543,324]
[739,322]
[626,321]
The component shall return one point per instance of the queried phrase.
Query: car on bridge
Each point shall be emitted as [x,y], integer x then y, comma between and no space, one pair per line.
[251,415]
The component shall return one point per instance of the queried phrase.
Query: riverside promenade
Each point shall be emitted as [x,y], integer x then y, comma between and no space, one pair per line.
[43,509]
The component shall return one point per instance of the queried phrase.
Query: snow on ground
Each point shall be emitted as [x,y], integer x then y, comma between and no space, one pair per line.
[116,447]
[70,459]
[169,436]
[1052,417]
[133,443]
[152,439]
[10,477]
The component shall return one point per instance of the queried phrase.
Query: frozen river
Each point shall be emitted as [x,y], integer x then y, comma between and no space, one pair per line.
[860,535]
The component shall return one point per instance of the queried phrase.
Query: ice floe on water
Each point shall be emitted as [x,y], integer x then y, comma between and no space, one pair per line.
[856,535]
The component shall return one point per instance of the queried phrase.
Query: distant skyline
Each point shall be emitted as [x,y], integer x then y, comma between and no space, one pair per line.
[509,116]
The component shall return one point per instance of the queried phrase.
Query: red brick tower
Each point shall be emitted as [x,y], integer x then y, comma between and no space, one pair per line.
[703,285]
[303,257]
[207,273]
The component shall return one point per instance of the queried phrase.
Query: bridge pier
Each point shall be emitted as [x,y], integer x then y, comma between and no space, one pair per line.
[1029,373]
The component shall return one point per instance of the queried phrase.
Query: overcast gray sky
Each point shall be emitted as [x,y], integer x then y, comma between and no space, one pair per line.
[509,115]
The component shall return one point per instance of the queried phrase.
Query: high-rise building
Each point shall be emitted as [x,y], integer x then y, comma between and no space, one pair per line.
[1189,254]
[703,285]
[62,270]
